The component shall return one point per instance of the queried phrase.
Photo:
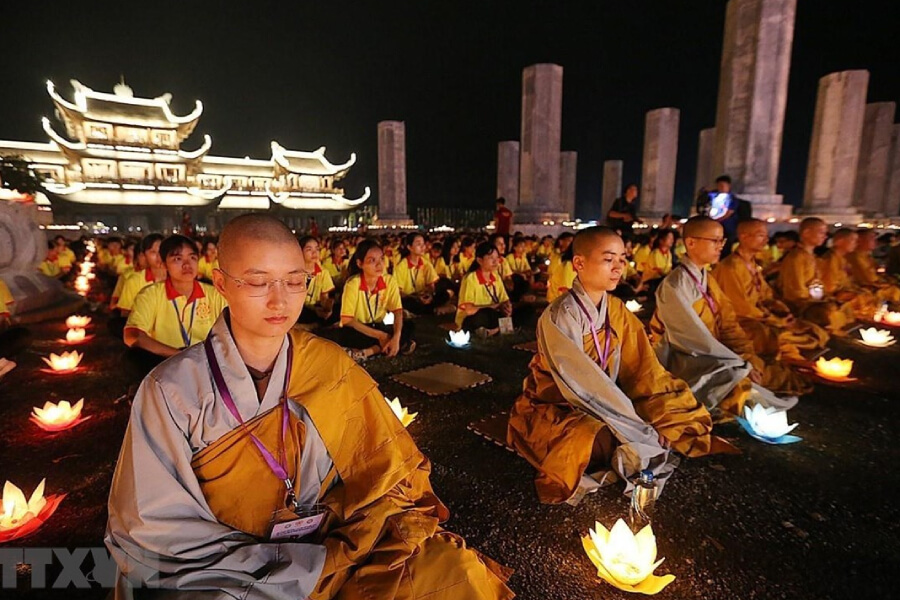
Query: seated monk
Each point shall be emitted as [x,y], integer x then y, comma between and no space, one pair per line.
[836,276]
[233,439]
[697,336]
[801,286]
[597,398]
[864,272]
[768,322]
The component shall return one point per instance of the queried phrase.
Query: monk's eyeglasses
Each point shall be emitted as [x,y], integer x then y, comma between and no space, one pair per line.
[257,286]
[716,241]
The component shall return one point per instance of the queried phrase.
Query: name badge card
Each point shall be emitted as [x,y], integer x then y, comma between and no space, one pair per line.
[299,524]
[506,324]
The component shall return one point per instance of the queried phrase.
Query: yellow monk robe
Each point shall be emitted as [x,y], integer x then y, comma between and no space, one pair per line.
[864,273]
[797,280]
[836,278]
[568,400]
[768,322]
[192,500]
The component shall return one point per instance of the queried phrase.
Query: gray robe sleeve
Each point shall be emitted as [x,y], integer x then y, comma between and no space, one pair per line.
[162,533]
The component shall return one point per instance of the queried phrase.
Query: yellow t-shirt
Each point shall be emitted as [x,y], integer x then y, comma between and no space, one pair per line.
[441,268]
[337,272]
[133,284]
[6,299]
[66,258]
[114,263]
[561,280]
[475,289]
[319,287]
[50,268]
[370,306]
[640,256]
[657,265]
[519,265]
[503,269]
[154,313]
[205,268]
[413,279]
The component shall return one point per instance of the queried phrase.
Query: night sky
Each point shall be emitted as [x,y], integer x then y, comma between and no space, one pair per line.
[324,73]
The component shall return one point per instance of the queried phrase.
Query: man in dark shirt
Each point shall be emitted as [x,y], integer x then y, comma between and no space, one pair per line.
[623,212]
[502,218]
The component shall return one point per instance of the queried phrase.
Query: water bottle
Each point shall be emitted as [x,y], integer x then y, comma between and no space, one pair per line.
[643,498]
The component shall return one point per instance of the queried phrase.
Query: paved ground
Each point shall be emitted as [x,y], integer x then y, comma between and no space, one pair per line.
[814,520]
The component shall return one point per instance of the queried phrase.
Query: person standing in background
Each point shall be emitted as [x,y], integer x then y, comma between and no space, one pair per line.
[502,218]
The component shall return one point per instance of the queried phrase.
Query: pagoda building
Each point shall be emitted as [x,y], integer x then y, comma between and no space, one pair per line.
[116,155]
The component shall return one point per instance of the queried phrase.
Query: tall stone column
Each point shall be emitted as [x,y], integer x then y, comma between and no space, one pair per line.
[660,156]
[508,173]
[892,186]
[392,173]
[756,58]
[874,154]
[705,153]
[539,188]
[834,148]
[612,186]
[568,165]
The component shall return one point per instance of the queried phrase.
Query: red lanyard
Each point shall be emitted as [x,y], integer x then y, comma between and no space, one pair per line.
[709,299]
[607,330]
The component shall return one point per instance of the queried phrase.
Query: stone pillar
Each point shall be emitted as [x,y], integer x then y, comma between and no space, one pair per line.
[612,186]
[892,186]
[392,173]
[660,155]
[874,154]
[705,153]
[568,165]
[756,58]
[508,173]
[834,148]
[539,198]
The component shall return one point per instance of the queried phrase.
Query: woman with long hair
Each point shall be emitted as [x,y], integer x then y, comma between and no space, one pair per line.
[415,276]
[337,264]
[483,300]
[562,275]
[659,262]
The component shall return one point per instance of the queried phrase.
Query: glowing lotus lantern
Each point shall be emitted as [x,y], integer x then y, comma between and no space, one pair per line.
[626,560]
[891,318]
[20,517]
[82,284]
[67,362]
[73,336]
[388,318]
[633,306]
[877,338]
[836,369]
[459,339]
[401,412]
[77,322]
[768,425]
[56,417]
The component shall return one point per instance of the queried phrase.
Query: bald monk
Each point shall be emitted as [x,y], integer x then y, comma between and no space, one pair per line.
[801,284]
[233,440]
[836,277]
[864,272]
[597,400]
[768,322]
[697,336]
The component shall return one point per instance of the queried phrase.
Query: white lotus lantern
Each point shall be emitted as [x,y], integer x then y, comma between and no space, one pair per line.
[891,318]
[459,339]
[77,322]
[401,412]
[74,336]
[768,424]
[836,369]
[67,362]
[56,417]
[388,318]
[82,284]
[20,517]
[626,560]
[877,338]
[634,306]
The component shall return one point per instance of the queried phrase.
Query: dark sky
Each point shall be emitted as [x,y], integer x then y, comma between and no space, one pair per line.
[324,73]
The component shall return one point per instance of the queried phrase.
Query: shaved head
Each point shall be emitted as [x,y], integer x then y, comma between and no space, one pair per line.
[748,226]
[253,228]
[842,234]
[587,239]
[700,227]
[810,222]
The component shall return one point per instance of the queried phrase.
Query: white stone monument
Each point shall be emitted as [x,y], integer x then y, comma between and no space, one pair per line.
[508,173]
[660,156]
[612,186]
[874,158]
[705,155]
[568,165]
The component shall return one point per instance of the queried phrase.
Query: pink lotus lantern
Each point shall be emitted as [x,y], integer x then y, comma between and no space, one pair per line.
[891,318]
[20,517]
[77,322]
[57,417]
[61,364]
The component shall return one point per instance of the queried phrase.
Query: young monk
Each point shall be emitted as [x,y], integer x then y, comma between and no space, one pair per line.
[864,272]
[597,398]
[416,277]
[775,332]
[482,297]
[837,280]
[202,497]
[319,303]
[801,285]
[697,336]
[171,315]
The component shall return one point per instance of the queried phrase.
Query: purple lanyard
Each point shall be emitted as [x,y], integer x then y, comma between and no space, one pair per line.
[709,299]
[607,329]
[278,467]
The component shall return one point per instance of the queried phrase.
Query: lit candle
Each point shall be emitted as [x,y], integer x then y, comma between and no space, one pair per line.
[56,417]
[67,362]
[626,560]
[20,517]
[891,318]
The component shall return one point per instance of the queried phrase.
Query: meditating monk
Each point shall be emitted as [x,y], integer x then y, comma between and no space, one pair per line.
[776,334]
[836,277]
[697,336]
[864,271]
[597,404]
[264,463]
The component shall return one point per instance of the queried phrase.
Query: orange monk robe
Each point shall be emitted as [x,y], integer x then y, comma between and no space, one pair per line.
[768,322]
[836,278]
[864,273]
[799,274]
[568,401]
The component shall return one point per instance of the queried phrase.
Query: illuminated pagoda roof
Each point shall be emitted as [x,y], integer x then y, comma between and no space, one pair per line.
[121,108]
[312,163]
